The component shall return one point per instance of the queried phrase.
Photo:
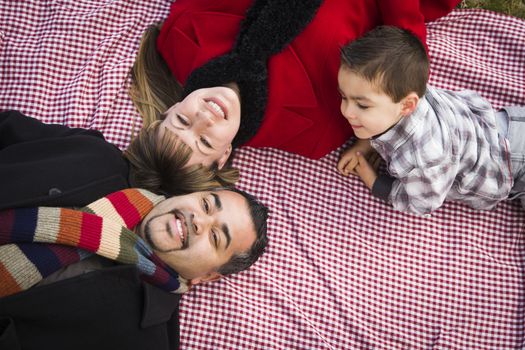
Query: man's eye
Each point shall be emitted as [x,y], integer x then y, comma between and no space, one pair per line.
[205,142]
[182,120]
[215,239]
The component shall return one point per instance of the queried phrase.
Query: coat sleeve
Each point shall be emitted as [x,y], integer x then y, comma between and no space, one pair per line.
[17,128]
[412,14]
[8,335]
[434,9]
[404,14]
[54,165]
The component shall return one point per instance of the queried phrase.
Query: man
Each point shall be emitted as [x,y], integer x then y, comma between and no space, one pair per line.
[96,303]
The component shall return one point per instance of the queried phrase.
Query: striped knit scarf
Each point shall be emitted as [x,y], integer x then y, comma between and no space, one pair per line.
[35,242]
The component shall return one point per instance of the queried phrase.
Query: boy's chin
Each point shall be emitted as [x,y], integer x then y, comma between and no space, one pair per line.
[362,135]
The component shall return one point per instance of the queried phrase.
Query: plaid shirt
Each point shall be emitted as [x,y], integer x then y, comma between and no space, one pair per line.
[448,149]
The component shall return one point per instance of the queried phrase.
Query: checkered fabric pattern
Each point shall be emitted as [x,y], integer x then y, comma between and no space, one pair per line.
[68,62]
[343,270]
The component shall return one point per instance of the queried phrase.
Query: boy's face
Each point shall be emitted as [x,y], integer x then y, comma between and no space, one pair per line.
[369,111]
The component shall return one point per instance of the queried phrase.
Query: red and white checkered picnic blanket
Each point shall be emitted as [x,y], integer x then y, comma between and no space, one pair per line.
[343,270]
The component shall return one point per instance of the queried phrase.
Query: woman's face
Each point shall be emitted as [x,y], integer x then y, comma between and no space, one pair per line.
[207,120]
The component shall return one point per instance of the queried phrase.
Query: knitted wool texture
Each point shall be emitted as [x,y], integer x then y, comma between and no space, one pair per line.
[35,242]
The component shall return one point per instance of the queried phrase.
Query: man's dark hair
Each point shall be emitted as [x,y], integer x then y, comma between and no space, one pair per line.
[393,59]
[259,216]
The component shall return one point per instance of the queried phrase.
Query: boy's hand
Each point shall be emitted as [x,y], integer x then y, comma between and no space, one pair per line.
[349,159]
[365,171]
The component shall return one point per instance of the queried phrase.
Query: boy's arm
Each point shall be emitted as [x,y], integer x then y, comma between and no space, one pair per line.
[349,160]
[365,171]
[380,185]
[421,191]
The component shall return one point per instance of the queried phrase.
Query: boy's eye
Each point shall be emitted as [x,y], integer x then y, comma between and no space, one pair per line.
[182,120]
[206,143]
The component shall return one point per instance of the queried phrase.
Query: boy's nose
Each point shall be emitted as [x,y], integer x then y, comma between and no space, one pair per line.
[349,114]
[347,111]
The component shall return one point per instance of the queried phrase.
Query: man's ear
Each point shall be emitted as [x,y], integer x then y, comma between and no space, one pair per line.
[209,277]
[224,158]
[409,104]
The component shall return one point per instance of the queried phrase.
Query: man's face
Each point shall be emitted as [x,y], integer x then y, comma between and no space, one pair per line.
[196,234]
[207,120]
[369,111]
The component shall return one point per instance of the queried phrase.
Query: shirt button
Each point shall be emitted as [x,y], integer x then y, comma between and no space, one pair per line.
[427,215]
[54,191]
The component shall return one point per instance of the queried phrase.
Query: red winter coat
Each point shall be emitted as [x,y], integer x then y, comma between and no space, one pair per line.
[302,115]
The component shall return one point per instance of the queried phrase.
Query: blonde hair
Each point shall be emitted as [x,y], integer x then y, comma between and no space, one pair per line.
[158,164]
[153,88]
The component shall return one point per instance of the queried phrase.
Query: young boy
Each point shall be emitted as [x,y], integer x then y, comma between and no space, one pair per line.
[438,145]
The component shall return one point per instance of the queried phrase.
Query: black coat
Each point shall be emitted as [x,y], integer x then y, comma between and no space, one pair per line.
[105,309]
[54,165]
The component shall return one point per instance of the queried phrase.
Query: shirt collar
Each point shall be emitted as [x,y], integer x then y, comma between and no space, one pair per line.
[396,135]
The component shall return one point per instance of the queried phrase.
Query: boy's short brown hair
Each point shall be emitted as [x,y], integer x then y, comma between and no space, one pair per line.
[393,59]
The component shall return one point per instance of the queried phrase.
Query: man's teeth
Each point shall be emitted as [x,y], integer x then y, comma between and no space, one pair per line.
[216,107]
[179,227]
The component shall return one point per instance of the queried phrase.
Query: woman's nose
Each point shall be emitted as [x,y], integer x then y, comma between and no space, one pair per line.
[205,119]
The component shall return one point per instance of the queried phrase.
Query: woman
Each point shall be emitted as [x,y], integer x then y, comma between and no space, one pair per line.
[288,92]
[54,165]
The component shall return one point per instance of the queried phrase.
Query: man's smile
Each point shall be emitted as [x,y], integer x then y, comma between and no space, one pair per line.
[178,226]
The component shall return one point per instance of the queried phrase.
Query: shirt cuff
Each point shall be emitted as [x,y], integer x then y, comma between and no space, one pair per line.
[383,186]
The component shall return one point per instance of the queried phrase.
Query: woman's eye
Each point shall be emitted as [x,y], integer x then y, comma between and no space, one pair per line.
[361,106]
[205,142]
[182,120]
